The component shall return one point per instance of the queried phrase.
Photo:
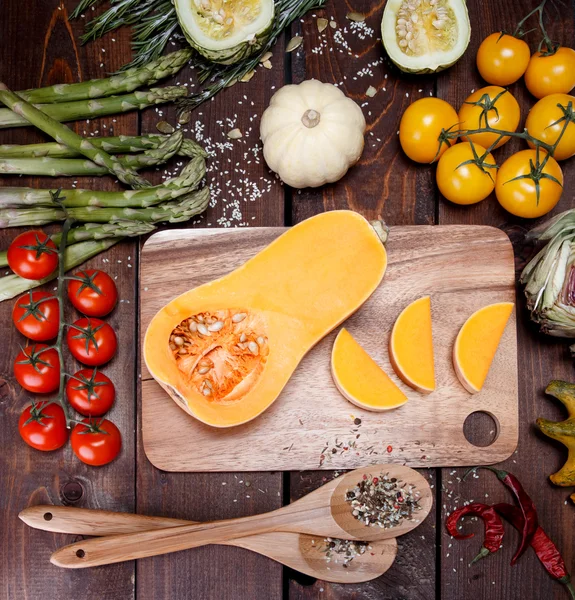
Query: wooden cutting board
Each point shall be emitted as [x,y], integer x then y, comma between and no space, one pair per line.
[311,425]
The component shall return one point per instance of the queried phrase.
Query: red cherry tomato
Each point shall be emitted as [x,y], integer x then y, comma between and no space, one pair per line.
[38,369]
[90,393]
[33,255]
[91,341]
[43,426]
[96,442]
[93,292]
[36,315]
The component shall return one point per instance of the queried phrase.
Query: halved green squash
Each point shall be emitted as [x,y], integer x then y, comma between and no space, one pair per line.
[424,36]
[225,31]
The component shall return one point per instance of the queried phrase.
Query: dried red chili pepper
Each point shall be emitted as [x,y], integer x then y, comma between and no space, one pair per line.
[492,522]
[547,552]
[528,510]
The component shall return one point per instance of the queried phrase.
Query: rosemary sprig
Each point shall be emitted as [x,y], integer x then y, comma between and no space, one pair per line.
[156,23]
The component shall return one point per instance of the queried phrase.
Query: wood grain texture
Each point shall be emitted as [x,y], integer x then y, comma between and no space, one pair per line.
[239,180]
[39,47]
[540,360]
[311,416]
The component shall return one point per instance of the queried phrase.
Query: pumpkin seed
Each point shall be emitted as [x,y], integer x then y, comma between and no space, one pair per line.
[208,384]
[172,346]
[371,91]
[333,24]
[355,16]
[243,337]
[165,127]
[322,24]
[203,370]
[239,317]
[253,348]
[216,326]
[192,326]
[203,330]
[235,134]
[294,43]
[184,117]
[200,318]
[182,351]
[267,64]
[247,76]
[206,392]
[260,340]
[266,56]
[178,341]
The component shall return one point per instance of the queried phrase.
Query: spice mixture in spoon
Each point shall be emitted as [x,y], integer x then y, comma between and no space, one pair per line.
[384,501]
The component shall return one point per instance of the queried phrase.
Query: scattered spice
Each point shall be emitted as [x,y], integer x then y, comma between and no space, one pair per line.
[322,24]
[383,501]
[346,549]
[333,24]
[371,91]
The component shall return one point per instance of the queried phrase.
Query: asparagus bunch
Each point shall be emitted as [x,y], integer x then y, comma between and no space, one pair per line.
[95,107]
[122,144]
[75,167]
[187,181]
[176,211]
[64,135]
[128,81]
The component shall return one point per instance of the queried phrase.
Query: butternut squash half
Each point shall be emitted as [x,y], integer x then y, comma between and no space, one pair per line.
[225,350]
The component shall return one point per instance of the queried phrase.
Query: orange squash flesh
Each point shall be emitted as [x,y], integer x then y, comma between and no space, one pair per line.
[477,342]
[293,293]
[360,379]
[411,346]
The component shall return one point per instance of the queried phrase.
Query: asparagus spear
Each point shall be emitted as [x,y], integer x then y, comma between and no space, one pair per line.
[74,255]
[88,109]
[117,84]
[74,167]
[64,135]
[174,211]
[188,180]
[96,231]
[122,144]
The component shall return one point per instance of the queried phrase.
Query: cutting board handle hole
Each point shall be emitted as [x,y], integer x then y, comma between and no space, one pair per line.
[481,428]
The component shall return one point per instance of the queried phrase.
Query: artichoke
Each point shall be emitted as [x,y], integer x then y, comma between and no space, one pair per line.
[549,277]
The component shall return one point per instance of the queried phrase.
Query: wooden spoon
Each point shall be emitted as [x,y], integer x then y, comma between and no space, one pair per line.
[323,513]
[304,553]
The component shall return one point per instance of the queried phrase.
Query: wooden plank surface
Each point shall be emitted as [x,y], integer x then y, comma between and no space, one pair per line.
[39,47]
[461,268]
[540,360]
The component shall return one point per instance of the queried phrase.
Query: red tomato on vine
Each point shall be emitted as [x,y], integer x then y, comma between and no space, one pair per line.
[96,442]
[43,426]
[32,255]
[90,393]
[92,292]
[36,315]
[37,369]
[91,341]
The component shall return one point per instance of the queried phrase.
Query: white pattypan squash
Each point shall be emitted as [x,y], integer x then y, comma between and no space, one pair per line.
[312,133]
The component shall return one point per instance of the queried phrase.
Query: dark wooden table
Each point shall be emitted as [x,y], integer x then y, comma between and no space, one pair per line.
[37,47]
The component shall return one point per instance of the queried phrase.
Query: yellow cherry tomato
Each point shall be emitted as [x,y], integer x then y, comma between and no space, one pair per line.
[519,196]
[462,181]
[553,74]
[547,119]
[493,106]
[502,59]
[421,126]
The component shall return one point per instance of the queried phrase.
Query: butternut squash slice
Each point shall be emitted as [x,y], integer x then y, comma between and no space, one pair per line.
[225,350]
[411,346]
[477,342]
[360,379]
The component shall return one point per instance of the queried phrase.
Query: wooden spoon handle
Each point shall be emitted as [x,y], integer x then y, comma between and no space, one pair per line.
[87,521]
[119,548]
